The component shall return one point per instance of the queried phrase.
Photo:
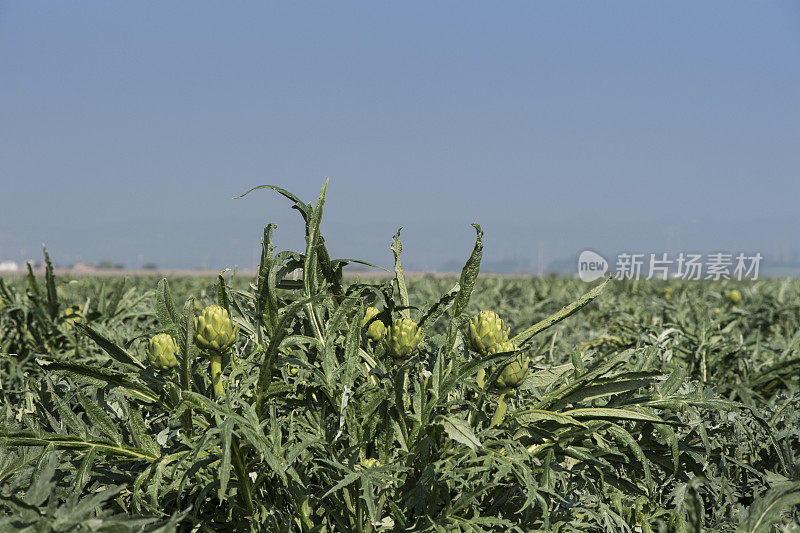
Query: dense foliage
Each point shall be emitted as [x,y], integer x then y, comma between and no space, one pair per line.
[331,403]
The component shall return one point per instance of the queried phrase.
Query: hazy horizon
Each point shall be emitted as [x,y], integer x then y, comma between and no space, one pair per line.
[557,127]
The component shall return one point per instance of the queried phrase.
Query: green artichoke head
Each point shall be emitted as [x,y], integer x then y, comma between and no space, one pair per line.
[70,315]
[735,297]
[292,370]
[486,330]
[162,351]
[370,462]
[402,338]
[377,329]
[514,373]
[214,329]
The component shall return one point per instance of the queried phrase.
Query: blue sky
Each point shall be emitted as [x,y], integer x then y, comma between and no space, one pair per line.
[128,127]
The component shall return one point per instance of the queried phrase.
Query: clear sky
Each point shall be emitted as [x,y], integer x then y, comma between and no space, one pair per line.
[127,127]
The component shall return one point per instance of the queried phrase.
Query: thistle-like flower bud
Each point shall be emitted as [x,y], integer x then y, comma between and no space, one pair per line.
[485,330]
[514,373]
[370,462]
[214,329]
[161,352]
[735,297]
[377,329]
[402,338]
[70,315]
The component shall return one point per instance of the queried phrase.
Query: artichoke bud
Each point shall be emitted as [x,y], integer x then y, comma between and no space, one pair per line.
[735,297]
[484,331]
[214,329]
[402,338]
[515,372]
[162,351]
[70,315]
[377,329]
[370,463]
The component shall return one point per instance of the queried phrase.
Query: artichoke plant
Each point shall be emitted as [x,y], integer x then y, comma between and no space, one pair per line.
[377,329]
[162,351]
[214,329]
[370,463]
[402,338]
[485,330]
[735,297]
[215,332]
[70,315]
[514,373]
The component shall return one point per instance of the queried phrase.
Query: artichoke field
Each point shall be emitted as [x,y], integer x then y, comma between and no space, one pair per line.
[306,401]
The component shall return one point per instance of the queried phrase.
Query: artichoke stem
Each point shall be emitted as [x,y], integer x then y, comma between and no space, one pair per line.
[216,373]
[500,413]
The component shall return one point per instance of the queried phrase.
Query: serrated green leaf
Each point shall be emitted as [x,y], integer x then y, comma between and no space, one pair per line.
[460,431]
